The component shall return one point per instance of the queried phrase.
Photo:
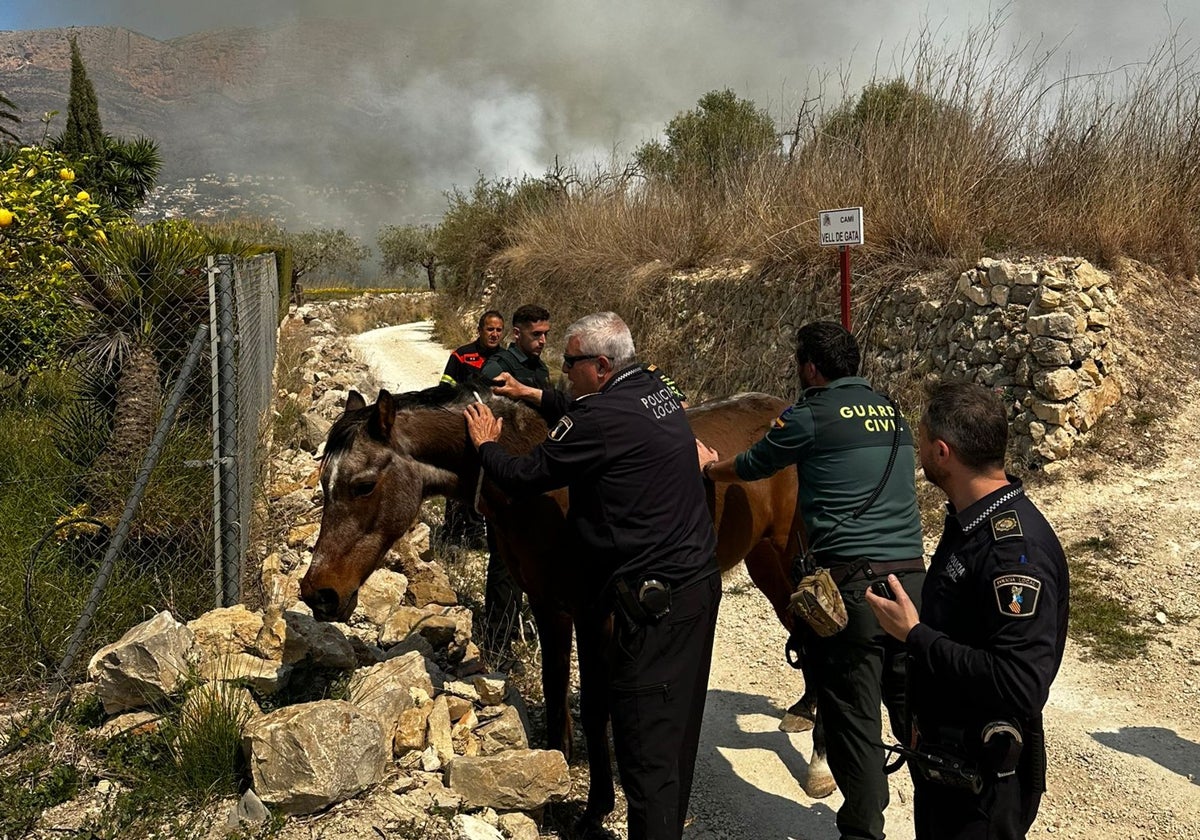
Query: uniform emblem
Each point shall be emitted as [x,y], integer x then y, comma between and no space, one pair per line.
[560,431]
[1017,595]
[781,420]
[1006,525]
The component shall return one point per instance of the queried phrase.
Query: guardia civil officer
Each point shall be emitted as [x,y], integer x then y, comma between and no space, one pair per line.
[523,357]
[992,627]
[470,358]
[856,462]
[503,601]
[637,508]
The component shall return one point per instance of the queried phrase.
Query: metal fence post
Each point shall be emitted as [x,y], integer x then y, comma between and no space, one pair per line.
[227,461]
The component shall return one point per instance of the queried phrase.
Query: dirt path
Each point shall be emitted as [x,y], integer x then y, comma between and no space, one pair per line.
[1124,739]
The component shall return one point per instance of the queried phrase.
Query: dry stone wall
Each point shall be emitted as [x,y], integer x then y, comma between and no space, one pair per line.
[1037,331]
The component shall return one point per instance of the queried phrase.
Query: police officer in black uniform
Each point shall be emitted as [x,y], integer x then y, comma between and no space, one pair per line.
[469,359]
[990,638]
[637,505]
[856,460]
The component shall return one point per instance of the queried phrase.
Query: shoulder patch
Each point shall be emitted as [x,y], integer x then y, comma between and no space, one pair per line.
[1017,595]
[1006,525]
[781,420]
[560,430]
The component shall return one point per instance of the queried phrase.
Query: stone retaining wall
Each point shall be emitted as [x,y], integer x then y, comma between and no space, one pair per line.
[1036,330]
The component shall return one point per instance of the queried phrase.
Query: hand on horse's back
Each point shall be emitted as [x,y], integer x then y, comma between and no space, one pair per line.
[482,425]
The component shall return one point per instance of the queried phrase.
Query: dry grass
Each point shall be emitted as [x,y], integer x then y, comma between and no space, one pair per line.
[979,152]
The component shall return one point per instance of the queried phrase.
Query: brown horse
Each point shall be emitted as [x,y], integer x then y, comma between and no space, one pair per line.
[382,460]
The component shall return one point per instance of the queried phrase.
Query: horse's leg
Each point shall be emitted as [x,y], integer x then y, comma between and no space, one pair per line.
[592,634]
[770,570]
[820,780]
[554,632]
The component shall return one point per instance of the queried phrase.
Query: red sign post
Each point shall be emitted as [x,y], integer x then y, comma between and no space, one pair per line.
[842,228]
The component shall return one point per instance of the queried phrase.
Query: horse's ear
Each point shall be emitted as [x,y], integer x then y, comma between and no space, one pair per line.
[354,401]
[379,426]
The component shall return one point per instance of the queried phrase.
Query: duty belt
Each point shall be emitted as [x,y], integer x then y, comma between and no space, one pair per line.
[843,570]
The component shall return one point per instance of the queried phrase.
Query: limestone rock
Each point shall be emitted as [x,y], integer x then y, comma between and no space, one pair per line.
[306,757]
[1050,352]
[387,689]
[145,665]
[506,732]
[383,592]
[466,827]
[518,826]
[227,630]
[516,780]
[1056,384]
[324,643]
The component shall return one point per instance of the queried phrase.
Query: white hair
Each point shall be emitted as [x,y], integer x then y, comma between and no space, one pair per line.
[604,334]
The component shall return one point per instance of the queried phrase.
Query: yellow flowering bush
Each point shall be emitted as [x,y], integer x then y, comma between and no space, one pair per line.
[42,216]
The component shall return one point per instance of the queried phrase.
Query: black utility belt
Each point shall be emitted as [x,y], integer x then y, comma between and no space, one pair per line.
[960,759]
[647,600]
[844,569]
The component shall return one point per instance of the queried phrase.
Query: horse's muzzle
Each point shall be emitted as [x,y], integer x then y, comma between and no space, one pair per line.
[324,604]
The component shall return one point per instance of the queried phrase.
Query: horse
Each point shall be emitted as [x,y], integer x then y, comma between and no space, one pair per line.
[381,461]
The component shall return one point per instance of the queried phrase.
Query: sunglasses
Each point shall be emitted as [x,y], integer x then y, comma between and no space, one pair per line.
[569,361]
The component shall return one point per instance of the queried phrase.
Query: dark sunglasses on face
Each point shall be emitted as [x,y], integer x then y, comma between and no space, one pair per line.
[569,361]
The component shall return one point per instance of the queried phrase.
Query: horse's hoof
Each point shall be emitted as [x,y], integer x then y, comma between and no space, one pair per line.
[795,723]
[820,783]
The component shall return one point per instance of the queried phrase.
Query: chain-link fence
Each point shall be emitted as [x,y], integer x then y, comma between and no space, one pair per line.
[128,463]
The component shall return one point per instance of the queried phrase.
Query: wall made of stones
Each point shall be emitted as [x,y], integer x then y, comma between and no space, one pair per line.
[1037,331]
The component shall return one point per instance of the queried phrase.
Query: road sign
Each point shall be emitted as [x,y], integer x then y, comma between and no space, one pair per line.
[841,227]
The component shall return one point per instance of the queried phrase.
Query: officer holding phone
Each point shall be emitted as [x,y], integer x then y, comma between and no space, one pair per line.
[990,636]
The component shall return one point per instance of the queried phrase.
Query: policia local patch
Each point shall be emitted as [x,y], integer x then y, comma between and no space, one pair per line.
[1017,595]
[560,431]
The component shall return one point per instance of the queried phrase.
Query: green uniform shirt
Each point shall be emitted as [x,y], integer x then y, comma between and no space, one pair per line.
[528,370]
[840,438]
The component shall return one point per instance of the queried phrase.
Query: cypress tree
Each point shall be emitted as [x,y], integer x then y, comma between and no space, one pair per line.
[83,135]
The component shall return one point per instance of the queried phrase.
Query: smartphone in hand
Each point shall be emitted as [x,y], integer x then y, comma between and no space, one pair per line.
[881,588]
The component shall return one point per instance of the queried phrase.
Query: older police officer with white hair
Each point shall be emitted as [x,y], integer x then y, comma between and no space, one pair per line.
[637,506]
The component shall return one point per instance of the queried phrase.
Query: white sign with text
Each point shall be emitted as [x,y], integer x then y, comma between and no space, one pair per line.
[841,227]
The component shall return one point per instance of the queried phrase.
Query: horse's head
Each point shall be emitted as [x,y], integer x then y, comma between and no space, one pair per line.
[373,490]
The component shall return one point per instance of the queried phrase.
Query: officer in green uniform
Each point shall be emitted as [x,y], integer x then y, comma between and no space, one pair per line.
[856,462]
[522,361]
[523,358]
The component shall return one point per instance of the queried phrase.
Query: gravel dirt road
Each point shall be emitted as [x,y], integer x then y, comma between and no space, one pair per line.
[1124,738]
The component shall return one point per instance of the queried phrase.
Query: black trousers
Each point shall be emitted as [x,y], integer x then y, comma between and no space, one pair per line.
[658,682]
[854,670]
[1003,811]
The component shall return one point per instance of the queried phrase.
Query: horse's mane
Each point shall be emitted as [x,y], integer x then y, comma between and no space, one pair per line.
[443,396]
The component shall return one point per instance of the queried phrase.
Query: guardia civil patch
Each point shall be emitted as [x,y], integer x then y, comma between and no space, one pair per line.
[1017,595]
[1006,525]
[781,420]
[560,431]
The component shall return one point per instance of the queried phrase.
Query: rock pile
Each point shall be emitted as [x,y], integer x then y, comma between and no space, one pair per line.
[422,726]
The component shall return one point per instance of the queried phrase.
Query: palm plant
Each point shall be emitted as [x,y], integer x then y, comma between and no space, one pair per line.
[8,113]
[129,171]
[144,290]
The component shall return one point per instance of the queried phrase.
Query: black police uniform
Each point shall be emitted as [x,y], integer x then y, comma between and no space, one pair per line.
[841,438]
[466,361]
[990,642]
[637,507]
[554,402]
[526,369]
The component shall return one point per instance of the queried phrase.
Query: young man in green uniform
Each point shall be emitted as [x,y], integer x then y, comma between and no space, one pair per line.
[523,358]
[856,462]
[522,361]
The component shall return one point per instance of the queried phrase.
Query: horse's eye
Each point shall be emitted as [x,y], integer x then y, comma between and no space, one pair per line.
[361,488]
